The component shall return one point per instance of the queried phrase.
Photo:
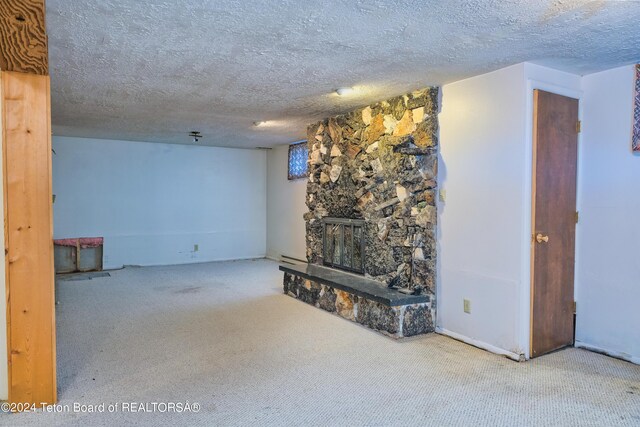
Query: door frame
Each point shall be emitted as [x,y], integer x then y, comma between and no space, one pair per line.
[525,306]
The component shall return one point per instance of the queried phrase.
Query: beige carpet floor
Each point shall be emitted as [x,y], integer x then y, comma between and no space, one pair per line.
[223,336]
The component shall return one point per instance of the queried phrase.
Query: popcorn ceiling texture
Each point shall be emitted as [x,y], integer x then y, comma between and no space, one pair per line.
[138,70]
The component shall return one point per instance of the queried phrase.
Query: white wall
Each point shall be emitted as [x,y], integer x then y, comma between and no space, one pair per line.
[485,222]
[608,265]
[285,208]
[480,237]
[153,202]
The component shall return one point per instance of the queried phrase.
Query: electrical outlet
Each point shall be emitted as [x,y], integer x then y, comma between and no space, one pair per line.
[467,306]
[443,195]
[195,248]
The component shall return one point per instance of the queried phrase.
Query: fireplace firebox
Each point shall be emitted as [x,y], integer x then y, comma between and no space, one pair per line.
[343,243]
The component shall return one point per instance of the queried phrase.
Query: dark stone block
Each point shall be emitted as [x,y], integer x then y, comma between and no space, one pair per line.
[417,320]
[379,256]
[309,292]
[408,147]
[377,316]
[397,107]
[398,254]
[429,245]
[339,199]
[327,300]
[397,232]
[402,210]
[291,284]
[428,99]
[424,274]
[404,278]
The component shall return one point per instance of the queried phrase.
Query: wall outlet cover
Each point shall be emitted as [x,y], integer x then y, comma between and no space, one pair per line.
[195,248]
[467,306]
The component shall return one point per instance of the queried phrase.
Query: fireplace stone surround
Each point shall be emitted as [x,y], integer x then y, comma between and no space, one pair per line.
[377,165]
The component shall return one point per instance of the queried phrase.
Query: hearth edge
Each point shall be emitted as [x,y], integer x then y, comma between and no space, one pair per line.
[396,321]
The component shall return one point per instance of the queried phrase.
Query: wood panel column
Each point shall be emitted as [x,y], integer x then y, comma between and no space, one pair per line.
[26,148]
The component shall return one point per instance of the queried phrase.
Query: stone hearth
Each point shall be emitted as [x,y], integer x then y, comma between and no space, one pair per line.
[379,164]
[360,300]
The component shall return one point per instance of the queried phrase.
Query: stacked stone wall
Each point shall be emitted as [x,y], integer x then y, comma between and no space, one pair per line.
[379,164]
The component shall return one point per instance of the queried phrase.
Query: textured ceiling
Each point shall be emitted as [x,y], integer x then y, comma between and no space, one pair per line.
[155,70]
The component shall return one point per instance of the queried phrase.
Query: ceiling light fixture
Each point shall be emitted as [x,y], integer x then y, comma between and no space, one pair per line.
[195,135]
[342,91]
[258,124]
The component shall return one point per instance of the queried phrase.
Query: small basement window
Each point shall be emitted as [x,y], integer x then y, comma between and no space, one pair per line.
[298,154]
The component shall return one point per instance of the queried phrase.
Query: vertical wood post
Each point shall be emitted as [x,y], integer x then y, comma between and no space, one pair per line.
[26,148]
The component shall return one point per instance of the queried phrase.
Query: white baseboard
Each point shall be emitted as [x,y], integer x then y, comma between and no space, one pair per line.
[617,354]
[198,261]
[480,344]
[285,258]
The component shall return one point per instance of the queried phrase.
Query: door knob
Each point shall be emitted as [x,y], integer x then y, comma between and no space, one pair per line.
[541,238]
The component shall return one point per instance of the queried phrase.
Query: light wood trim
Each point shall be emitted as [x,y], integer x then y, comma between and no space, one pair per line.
[5,243]
[23,37]
[534,147]
[30,286]
[53,372]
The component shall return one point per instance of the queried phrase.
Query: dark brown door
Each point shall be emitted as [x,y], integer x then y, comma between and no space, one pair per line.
[555,155]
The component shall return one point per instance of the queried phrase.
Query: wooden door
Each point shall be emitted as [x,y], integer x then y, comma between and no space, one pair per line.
[555,155]
[26,141]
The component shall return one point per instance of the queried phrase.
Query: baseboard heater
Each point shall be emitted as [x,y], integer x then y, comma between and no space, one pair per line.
[289,259]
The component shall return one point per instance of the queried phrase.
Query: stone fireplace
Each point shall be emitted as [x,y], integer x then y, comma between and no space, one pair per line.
[372,182]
